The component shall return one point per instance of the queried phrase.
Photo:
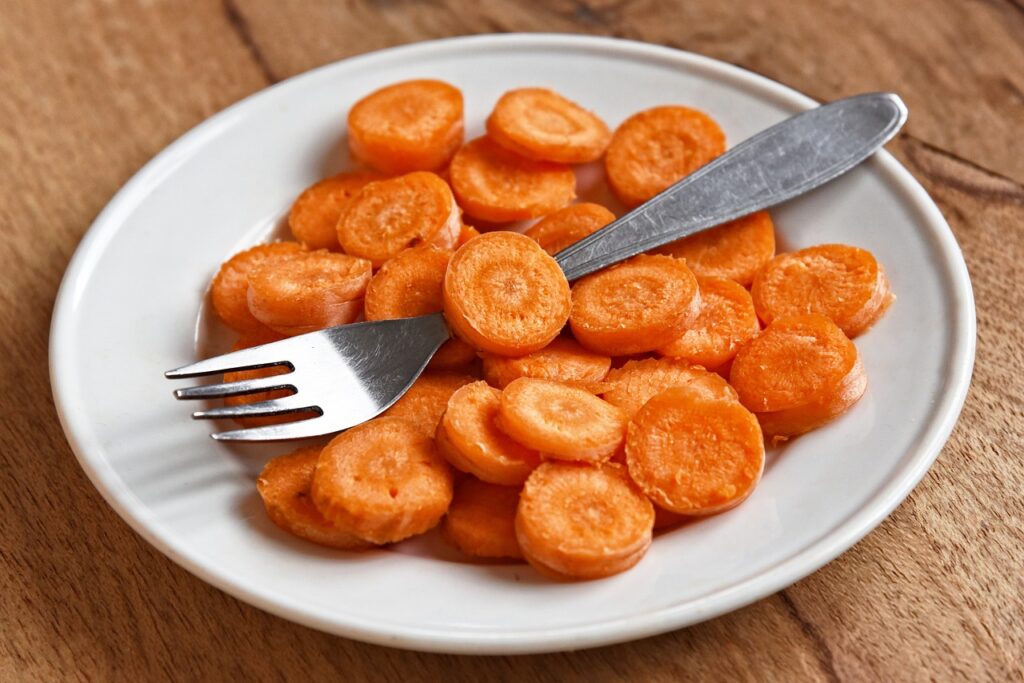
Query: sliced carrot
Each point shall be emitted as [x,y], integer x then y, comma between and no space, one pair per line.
[727,319]
[580,521]
[694,454]
[664,519]
[320,289]
[408,285]
[409,126]
[506,295]
[231,284]
[314,216]
[481,520]
[735,250]
[383,480]
[638,305]
[563,360]
[560,421]
[388,216]
[636,382]
[798,374]
[466,233]
[496,185]
[569,225]
[454,354]
[264,335]
[469,438]
[654,148]
[284,486]
[538,123]
[837,281]
[425,401]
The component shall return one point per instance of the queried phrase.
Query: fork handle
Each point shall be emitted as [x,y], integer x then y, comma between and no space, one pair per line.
[782,162]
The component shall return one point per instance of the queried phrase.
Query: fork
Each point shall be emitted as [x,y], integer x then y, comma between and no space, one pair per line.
[351,373]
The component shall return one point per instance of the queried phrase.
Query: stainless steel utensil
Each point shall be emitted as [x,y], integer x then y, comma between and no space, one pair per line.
[349,374]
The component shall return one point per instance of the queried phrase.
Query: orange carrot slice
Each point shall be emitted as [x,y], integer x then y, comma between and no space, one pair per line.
[314,216]
[409,126]
[657,147]
[727,319]
[318,290]
[694,454]
[506,295]
[638,305]
[569,225]
[467,233]
[560,421]
[837,281]
[798,374]
[425,401]
[284,486]
[636,382]
[231,284]
[541,124]
[563,360]
[664,519]
[388,216]
[496,185]
[408,285]
[246,341]
[383,480]
[481,520]
[471,441]
[580,521]
[735,250]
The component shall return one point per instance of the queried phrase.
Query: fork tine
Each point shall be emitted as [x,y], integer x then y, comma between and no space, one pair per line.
[246,359]
[288,404]
[300,429]
[248,386]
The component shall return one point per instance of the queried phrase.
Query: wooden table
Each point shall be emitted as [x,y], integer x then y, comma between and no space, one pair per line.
[92,90]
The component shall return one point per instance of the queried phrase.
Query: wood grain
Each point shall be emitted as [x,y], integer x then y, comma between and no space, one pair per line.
[93,89]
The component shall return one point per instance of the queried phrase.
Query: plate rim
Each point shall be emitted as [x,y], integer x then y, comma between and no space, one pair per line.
[847,533]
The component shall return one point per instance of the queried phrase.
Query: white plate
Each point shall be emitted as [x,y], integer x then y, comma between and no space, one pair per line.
[127,311]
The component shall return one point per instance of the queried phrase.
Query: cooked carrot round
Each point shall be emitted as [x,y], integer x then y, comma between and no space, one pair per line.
[284,486]
[636,382]
[425,401]
[837,281]
[798,374]
[481,520]
[506,295]
[388,216]
[663,519]
[408,285]
[580,521]
[541,124]
[563,360]
[383,480]
[657,147]
[231,284]
[496,185]
[560,421]
[569,225]
[454,354]
[727,319]
[409,126]
[245,341]
[735,250]
[635,306]
[466,233]
[314,216]
[470,439]
[694,454]
[320,289]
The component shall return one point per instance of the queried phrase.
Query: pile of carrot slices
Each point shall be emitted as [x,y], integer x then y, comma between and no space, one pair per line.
[562,424]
